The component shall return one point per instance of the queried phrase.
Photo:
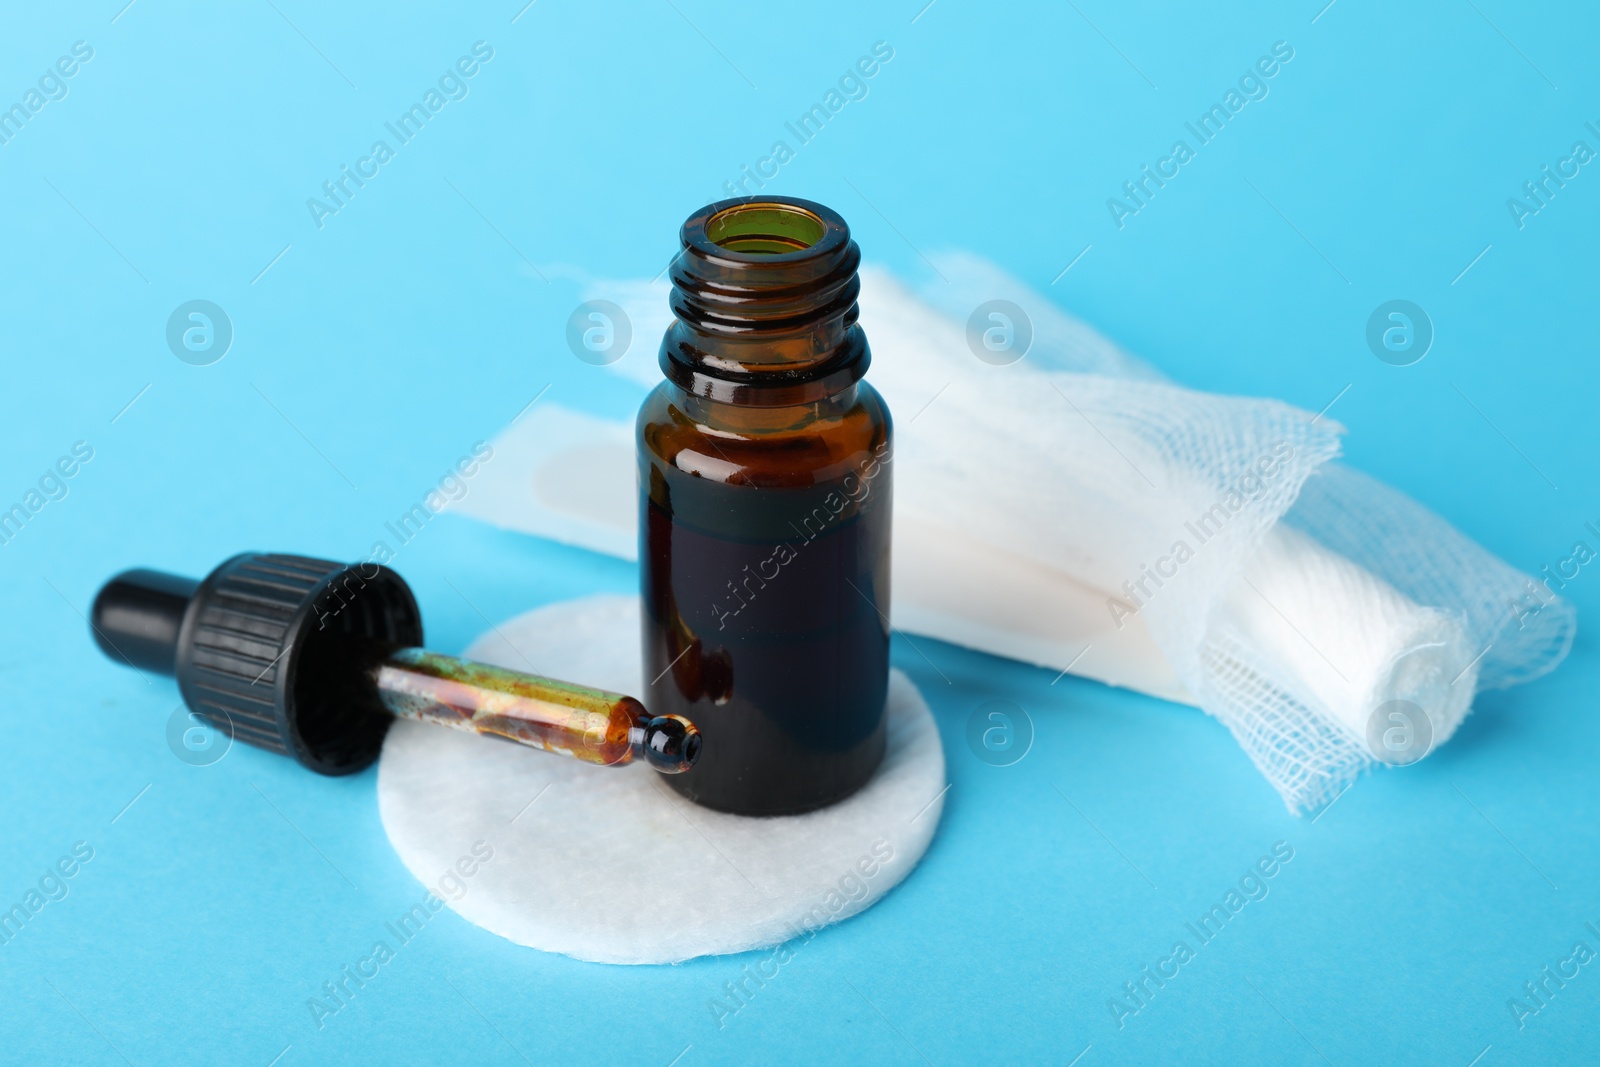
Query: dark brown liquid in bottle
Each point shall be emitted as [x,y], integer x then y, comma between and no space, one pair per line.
[765,513]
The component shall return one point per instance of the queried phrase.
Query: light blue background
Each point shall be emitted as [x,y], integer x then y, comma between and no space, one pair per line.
[414,323]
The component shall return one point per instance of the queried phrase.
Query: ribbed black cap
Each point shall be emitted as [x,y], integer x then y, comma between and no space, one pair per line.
[271,648]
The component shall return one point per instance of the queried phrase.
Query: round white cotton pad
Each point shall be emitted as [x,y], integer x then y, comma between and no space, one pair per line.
[608,864]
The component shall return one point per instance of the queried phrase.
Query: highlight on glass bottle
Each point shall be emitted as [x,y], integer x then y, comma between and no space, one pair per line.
[764,485]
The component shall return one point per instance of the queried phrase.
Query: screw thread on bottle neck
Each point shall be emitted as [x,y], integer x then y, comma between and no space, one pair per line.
[764,293]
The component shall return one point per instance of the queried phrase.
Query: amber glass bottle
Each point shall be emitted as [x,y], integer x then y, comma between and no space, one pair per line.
[764,484]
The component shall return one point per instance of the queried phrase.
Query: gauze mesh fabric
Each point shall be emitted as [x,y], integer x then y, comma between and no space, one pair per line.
[1297,600]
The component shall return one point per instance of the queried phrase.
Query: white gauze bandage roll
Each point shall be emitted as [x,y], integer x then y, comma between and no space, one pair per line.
[1354,628]
[1352,647]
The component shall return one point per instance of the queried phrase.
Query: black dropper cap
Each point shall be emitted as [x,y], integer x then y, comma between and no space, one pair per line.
[267,648]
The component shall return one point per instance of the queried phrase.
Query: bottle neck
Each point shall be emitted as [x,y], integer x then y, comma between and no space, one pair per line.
[764,294]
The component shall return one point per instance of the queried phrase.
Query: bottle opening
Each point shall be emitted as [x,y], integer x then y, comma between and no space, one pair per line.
[765,229]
